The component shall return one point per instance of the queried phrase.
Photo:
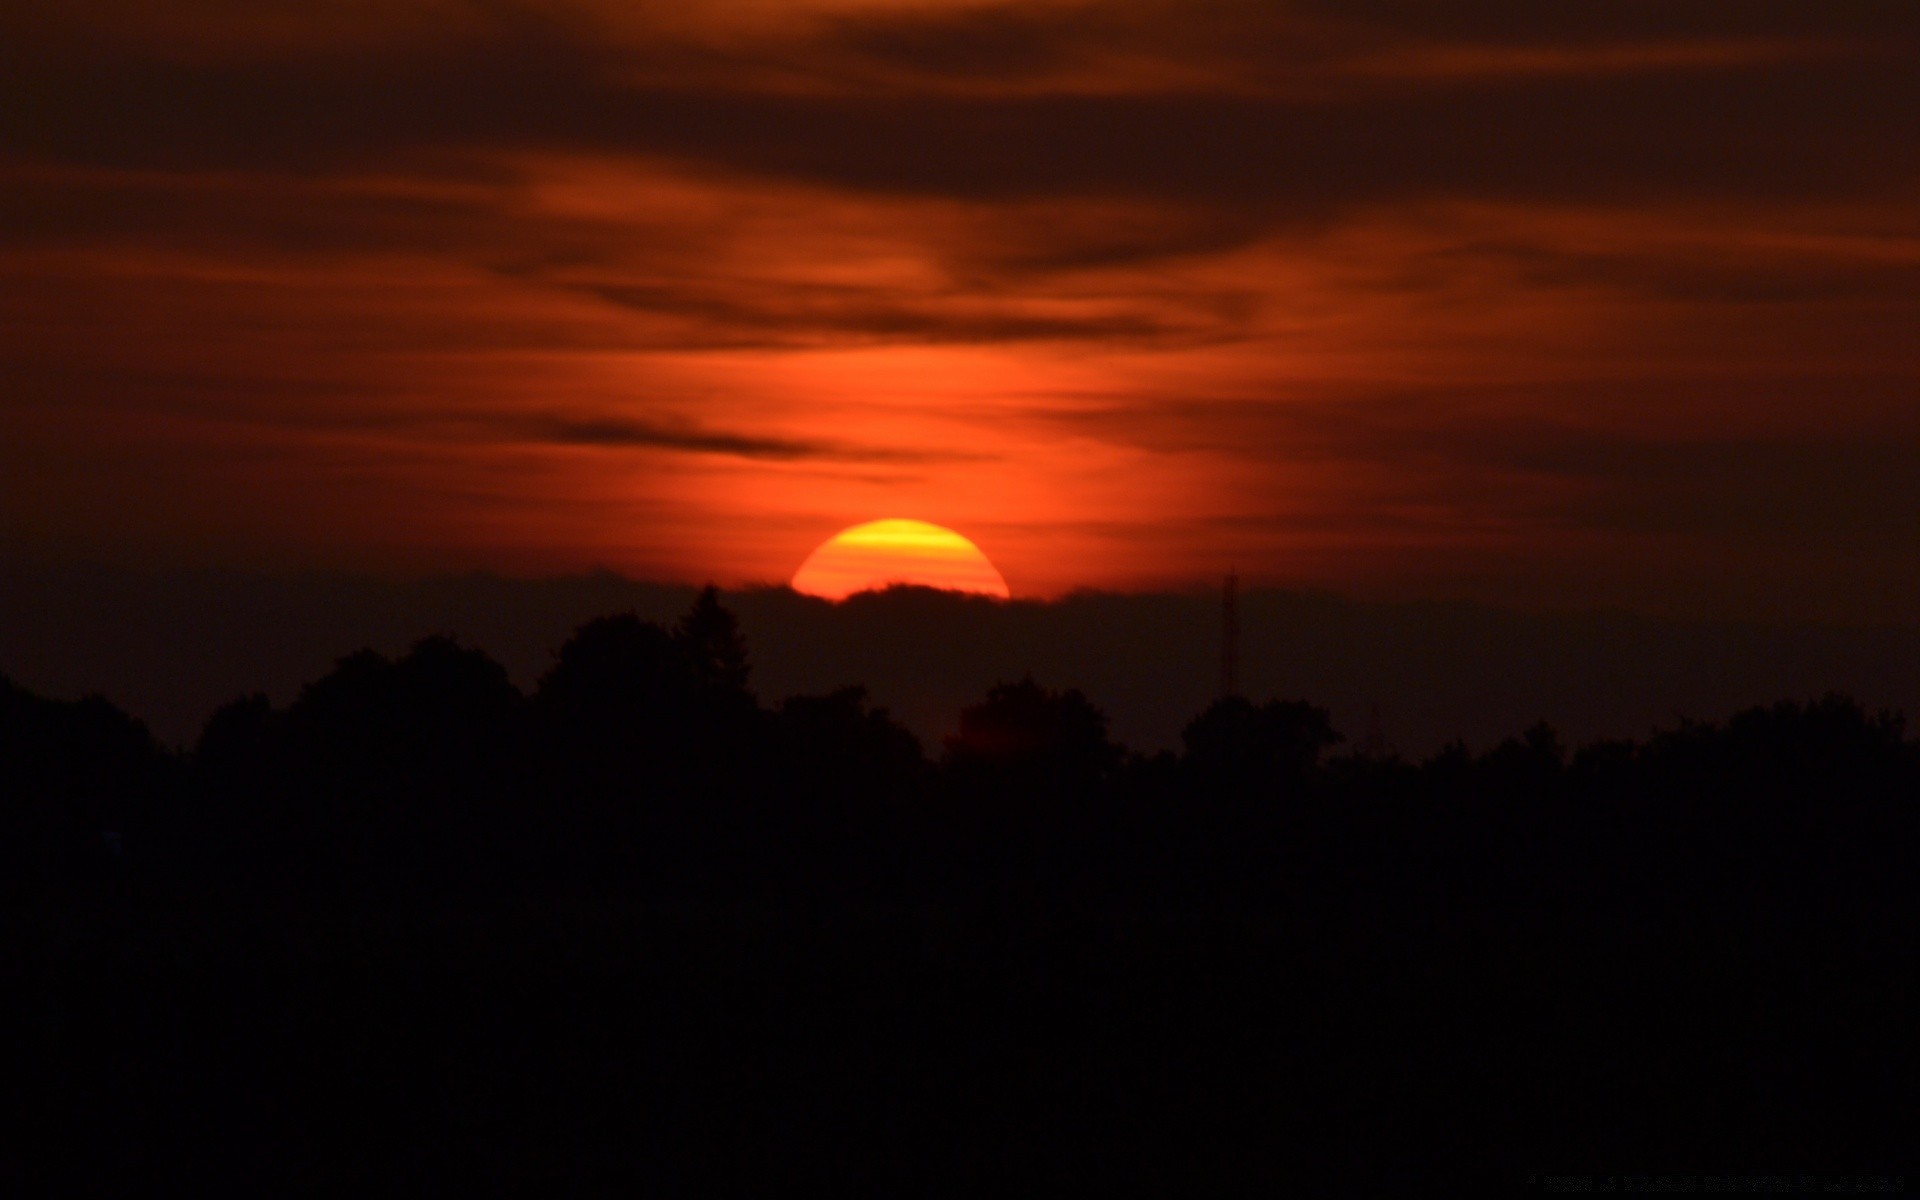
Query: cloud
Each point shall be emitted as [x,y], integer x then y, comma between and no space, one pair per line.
[800,314]
[1721,117]
[620,433]
[1350,292]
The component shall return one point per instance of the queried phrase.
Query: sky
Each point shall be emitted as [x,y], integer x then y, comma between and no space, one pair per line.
[1534,304]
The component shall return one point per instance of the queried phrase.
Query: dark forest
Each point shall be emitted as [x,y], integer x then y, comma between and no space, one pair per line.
[642,927]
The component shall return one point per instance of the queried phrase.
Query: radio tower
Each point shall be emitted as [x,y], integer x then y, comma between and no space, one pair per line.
[1230,637]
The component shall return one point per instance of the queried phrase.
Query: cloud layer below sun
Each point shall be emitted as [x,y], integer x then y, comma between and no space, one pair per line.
[1516,303]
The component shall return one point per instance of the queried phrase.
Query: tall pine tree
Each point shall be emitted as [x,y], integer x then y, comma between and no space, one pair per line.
[712,634]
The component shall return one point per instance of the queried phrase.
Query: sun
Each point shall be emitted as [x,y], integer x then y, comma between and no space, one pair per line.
[881,553]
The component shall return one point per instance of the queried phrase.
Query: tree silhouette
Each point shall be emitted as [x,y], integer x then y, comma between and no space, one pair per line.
[651,746]
[621,669]
[840,744]
[711,634]
[1528,766]
[387,769]
[415,899]
[75,778]
[1039,737]
[1241,748]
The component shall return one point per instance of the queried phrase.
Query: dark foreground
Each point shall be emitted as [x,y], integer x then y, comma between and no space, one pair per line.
[418,930]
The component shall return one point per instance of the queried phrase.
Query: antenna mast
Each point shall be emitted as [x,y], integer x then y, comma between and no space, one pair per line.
[1230,636]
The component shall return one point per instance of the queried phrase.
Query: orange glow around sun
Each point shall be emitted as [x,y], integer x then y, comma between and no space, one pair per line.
[882,553]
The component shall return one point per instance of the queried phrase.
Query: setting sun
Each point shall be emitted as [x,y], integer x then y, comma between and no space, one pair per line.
[879,554]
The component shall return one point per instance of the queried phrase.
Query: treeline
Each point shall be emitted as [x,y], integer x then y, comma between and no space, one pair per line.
[637,925]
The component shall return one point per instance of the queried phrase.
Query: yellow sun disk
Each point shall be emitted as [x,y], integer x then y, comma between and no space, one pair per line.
[881,553]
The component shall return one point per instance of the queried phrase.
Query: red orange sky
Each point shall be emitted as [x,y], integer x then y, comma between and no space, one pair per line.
[1549,307]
